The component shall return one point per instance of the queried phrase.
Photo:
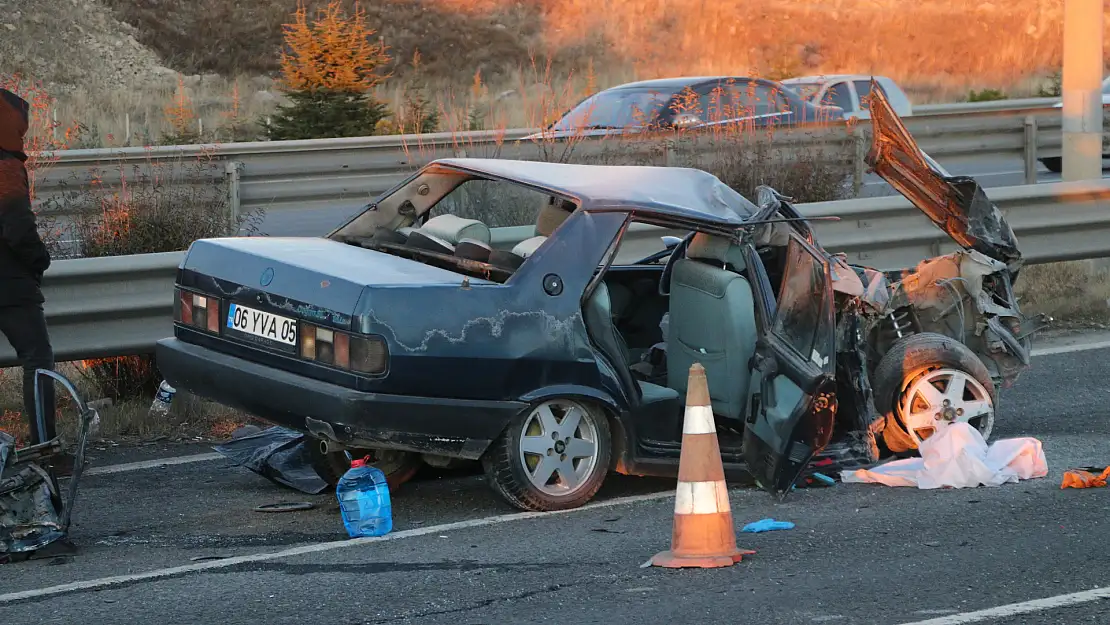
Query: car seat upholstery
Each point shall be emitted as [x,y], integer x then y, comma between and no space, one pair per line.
[712,322]
[551,217]
[453,229]
[604,333]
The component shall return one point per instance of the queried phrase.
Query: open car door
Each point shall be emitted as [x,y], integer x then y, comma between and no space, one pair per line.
[795,360]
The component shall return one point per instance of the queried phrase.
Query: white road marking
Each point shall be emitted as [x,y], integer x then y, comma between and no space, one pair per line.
[1067,349]
[1014,609]
[151,464]
[115,580]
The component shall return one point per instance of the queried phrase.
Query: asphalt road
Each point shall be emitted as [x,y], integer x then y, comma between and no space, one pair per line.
[459,555]
[320,221]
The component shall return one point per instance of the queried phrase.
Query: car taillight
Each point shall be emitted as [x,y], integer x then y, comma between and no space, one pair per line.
[365,354]
[198,311]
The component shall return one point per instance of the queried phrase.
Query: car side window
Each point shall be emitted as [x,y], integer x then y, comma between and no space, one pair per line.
[751,98]
[802,316]
[838,95]
[863,90]
[493,202]
[714,104]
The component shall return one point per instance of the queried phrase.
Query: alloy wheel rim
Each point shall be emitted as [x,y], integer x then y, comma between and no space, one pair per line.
[558,447]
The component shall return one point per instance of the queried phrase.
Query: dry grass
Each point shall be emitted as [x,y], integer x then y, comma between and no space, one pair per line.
[1076,294]
[935,44]
[938,50]
[189,418]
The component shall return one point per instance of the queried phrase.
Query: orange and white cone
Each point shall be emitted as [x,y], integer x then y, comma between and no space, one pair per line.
[703,535]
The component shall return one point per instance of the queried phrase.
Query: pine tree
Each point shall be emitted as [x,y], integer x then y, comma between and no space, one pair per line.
[329,68]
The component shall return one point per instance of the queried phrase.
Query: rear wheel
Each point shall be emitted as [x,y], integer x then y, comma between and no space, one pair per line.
[927,382]
[398,466]
[553,456]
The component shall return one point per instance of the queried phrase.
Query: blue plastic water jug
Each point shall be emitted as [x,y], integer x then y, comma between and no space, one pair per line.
[364,500]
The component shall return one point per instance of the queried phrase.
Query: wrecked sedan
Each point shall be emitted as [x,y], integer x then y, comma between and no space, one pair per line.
[414,334]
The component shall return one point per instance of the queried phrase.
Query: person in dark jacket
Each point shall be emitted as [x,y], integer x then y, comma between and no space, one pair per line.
[23,260]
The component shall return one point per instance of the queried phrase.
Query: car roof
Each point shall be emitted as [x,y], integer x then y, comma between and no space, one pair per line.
[832,78]
[677,83]
[675,192]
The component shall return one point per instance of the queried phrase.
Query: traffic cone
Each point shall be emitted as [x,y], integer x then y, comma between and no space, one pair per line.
[703,535]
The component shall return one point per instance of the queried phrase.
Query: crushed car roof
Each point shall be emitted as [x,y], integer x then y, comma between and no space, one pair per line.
[674,192]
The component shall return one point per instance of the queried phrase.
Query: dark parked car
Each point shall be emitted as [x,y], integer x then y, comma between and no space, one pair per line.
[687,103]
[413,333]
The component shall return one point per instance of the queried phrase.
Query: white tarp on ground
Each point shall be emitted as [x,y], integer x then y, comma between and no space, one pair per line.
[958,457]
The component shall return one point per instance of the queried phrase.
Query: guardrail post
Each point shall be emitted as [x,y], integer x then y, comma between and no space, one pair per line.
[859,162]
[234,173]
[1030,150]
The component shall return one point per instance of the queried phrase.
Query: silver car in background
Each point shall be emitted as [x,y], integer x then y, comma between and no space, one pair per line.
[849,92]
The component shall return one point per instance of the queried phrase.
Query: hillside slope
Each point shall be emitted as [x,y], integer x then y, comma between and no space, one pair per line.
[70,44]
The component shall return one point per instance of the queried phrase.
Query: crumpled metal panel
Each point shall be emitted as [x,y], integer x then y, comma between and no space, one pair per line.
[28,518]
[956,204]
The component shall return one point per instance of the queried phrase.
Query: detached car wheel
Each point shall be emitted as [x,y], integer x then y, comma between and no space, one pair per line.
[927,382]
[553,456]
[398,466]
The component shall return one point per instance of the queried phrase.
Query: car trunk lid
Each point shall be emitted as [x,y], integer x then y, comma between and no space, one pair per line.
[956,204]
[313,279]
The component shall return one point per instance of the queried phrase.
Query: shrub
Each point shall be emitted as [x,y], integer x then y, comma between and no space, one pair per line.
[986,95]
[155,207]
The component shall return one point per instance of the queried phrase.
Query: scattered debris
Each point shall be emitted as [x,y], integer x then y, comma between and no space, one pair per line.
[278,454]
[34,519]
[767,525]
[286,507]
[958,457]
[1085,477]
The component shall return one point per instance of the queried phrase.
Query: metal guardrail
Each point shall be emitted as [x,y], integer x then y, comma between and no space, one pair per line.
[102,307]
[347,172]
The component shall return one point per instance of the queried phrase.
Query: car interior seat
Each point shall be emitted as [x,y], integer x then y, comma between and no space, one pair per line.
[604,333]
[553,213]
[441,234]
[712,322]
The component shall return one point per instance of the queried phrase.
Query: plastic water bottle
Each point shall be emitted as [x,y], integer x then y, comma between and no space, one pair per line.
[364,501]
[160,407]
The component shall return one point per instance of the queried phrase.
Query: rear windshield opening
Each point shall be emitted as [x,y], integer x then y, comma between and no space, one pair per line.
[468,245]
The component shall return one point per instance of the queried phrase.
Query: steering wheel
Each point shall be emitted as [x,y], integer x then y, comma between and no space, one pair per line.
[678,252]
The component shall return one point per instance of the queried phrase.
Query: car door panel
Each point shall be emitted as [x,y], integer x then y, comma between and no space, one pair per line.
[792,418]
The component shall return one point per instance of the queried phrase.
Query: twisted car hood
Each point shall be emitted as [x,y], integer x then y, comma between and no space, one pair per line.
[956,204]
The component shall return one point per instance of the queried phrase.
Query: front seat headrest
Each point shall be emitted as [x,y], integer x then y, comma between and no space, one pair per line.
[552,215]
[453,229]
[708,247]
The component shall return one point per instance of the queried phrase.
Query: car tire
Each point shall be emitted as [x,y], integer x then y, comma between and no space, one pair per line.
[930,359]
[1054,164]
[398,466]
[509,467]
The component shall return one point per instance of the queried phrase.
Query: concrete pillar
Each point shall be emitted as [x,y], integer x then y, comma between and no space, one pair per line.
[1083,67]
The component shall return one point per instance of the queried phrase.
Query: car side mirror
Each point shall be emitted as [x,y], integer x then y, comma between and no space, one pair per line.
[670,242]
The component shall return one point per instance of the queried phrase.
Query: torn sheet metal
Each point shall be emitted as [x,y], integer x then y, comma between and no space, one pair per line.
[278,454]
[956,204]
[28,519]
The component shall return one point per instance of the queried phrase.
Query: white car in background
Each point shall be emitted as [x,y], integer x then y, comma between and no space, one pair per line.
[849,92]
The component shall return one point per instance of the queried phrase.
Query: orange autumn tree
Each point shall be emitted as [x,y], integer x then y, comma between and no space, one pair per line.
[329,68]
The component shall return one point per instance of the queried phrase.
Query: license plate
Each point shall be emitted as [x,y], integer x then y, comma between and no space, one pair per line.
[262,324]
